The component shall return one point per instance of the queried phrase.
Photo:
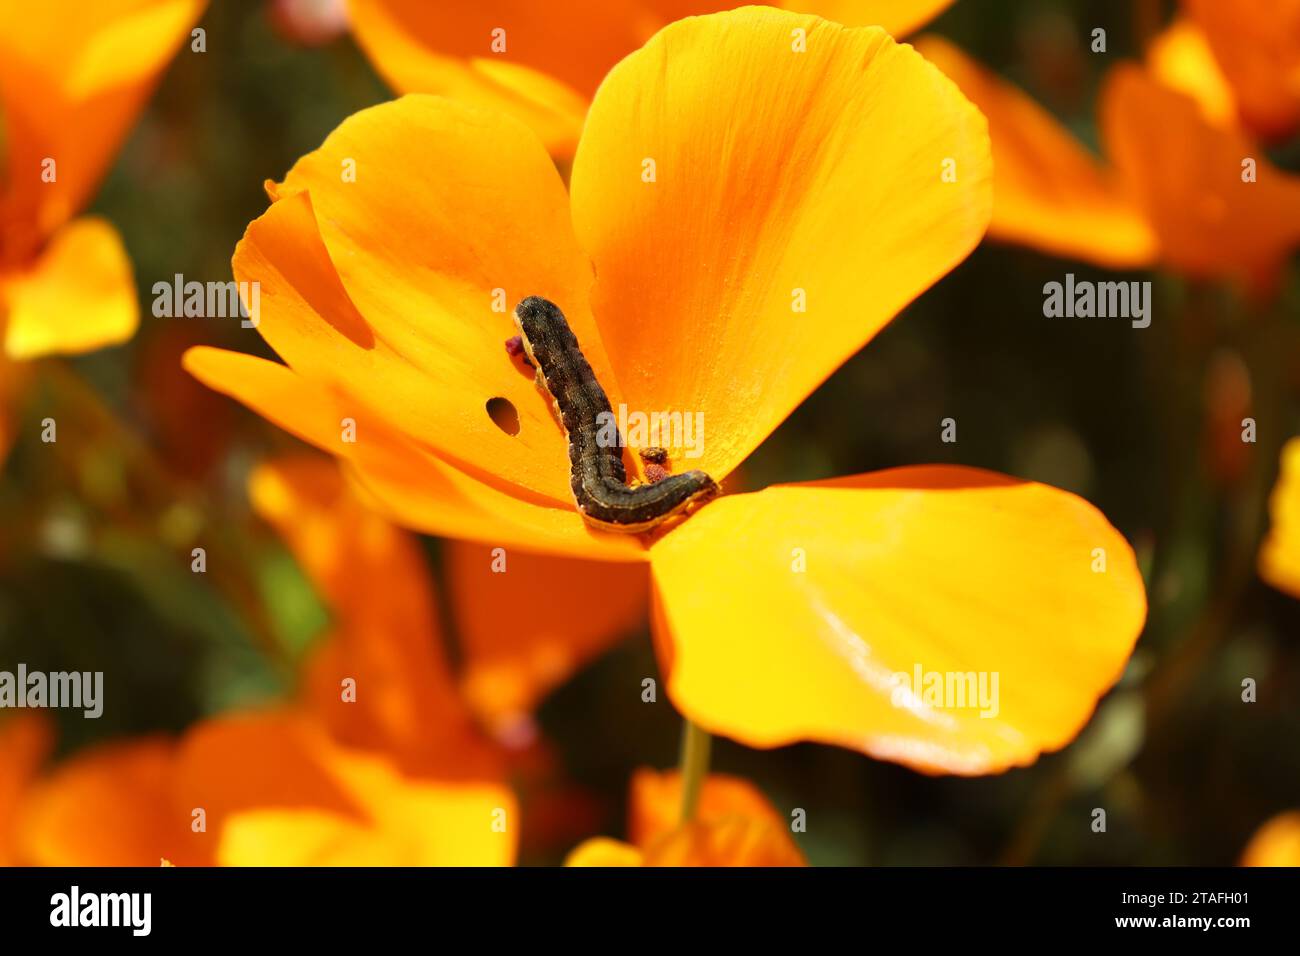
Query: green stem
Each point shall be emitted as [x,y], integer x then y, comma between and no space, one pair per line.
[694,767]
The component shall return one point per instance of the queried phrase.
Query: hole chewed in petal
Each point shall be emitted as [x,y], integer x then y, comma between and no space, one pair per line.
[504,415]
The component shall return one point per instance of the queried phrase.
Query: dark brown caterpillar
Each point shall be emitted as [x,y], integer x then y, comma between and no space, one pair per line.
[597,476]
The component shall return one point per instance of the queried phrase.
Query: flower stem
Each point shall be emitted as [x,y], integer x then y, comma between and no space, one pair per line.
[694,767]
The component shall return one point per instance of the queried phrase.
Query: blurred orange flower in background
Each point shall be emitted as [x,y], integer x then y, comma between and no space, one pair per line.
[541,63]
[526,630]
[1279,555]
[376,763]
[25,742]
[734,825]
[73,78]
[1256,44]
[1276,843]
[720,174]
[1183,184]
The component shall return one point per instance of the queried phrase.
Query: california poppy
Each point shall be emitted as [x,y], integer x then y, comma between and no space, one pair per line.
[375,763]
[73,77]
[25,742]
[1275,843]
[541,63]
[1256,45]
[512,655]
[745,213]
[1183,185]
[734,825]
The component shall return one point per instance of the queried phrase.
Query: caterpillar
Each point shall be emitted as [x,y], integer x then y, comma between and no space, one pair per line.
[597,476]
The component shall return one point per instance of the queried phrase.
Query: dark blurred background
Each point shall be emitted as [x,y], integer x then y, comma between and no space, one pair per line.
[148,460]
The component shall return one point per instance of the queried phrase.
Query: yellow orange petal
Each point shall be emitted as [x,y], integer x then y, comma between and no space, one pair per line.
[782,181]
[803,612]
[1180,57]
[527,622]
[408,484]
[73,77]
[542,70]
[1188,175]
[254,773]
[455,215]
[25,742]
[1276,843]
[306,837]
[898,17]
[1257,46]
[386,639]
[77,297]
[545,63]
[602,851]
[1279,556]
[1049,192]
[730,841]
[655,803]
[137,821]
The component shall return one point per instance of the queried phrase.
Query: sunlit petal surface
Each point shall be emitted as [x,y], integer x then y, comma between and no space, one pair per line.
[797,204]
[70,95]
[430,260]
[78,296]
[541,63]
[898,17]
[804,612]
[409,484]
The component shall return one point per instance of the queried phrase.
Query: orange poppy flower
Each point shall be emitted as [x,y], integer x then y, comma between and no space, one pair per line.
[1184,186]
[25,742]
[375,764]
[540,62]
[1256,44]
[1276,843]
[1279,555]
[386,636]
[779,176]
[257,789]
[735,825]
[514,655]
[511,656]
[73,77]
